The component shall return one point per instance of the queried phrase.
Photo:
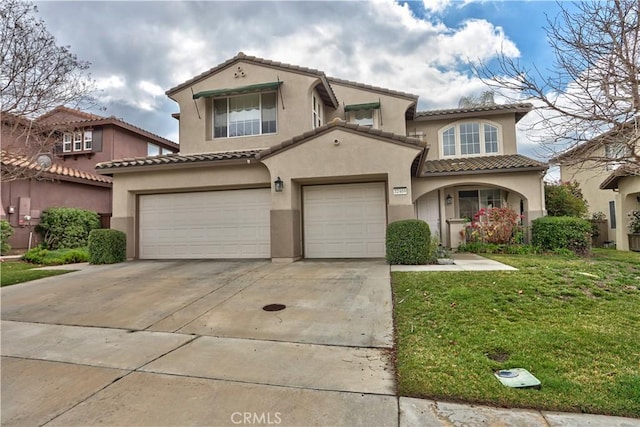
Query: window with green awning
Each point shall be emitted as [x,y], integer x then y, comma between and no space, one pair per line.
[362,107]
[260,87]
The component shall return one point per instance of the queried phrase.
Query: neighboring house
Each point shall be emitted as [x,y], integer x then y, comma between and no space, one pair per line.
[280,161]
[598,176]
[79,141]
[625,182]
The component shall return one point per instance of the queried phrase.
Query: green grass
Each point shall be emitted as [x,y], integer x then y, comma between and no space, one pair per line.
[12,272]
[574,323]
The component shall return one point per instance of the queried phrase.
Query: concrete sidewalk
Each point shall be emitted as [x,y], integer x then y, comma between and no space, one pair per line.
[462,262]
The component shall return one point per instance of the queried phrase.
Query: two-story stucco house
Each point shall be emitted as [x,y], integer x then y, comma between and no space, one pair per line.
[280,161]
[77,142]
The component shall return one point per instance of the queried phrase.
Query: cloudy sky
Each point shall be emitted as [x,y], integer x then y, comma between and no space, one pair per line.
[138,50]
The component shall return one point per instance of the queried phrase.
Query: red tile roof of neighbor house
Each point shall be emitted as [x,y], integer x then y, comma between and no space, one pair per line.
[55,171]
[484,164]
[107,168]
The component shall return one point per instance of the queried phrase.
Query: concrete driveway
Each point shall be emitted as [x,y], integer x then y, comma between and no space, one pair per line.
[176,343]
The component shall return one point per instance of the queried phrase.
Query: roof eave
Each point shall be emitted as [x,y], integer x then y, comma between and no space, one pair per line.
[484,171]
[111,170]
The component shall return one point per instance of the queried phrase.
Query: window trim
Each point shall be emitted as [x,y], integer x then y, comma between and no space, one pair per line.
[316,111]
[67,142]
[77,141]
[227,98]
[88,140]
[458,145]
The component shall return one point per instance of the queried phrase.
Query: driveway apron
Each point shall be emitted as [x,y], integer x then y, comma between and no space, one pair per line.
[188,342]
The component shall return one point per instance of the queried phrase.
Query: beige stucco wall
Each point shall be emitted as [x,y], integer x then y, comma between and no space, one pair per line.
[127,186]
[430,128]
[392,109]
[294,119]
[628,193]
[355,158]
[590,175]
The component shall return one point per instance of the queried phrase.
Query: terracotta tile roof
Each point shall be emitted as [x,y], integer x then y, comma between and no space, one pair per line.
[327,92]
[174,159]
[485,164]
[124,125]
[611,182]
[55,171]
[520,109]
[373,88]
[63,109]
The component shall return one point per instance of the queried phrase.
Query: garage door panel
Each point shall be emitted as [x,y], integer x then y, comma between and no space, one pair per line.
[345,220]
[215,224]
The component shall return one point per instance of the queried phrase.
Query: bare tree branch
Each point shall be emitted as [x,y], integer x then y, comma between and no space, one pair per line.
[592,92]
[36,75]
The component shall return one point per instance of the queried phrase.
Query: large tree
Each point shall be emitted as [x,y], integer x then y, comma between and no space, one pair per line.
[36,75]
[591,93]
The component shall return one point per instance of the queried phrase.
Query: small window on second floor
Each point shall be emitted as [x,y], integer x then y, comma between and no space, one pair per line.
[316,112]
[470,139]
[152,149]
[77,141]
[88,139]
[362,117]
[67,139]
[244,115]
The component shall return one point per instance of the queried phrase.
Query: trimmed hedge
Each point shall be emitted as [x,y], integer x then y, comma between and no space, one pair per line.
[562,232]
[67,227]
[408,242]
[6,230]
[107,246]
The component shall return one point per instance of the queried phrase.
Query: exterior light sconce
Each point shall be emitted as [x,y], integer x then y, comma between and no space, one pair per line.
[278,185]
[449,199]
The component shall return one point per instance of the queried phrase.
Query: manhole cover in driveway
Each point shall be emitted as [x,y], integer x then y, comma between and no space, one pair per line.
[274,307]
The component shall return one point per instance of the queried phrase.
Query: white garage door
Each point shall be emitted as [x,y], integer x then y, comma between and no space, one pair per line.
[213,224]
[345,221]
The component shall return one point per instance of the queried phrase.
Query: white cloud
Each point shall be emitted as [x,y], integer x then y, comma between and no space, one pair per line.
[110,82]
[436,5]
[150,88]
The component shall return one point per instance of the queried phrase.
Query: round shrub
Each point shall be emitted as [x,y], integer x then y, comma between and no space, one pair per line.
[107,246]
[562,232]
[67,227]
[408,242]
[5,232]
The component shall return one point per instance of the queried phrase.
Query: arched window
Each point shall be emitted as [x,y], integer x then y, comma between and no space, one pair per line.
[478,138]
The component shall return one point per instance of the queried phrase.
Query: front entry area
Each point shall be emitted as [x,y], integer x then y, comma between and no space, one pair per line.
[344,220]
[211,224]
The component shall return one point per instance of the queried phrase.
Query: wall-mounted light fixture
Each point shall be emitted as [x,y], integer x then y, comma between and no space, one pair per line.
[449,199]
[278,185]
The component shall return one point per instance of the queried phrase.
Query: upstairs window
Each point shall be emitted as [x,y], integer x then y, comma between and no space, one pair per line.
[244,115]
[77,141]
[470,139]
[67,139]
[363,114]
[88,140]
[152,149]
[316,112]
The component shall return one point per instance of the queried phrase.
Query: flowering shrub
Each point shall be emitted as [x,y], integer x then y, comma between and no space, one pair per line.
[493,225]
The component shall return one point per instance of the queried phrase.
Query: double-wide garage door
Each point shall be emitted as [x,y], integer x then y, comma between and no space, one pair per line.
[213,224]
[344,221]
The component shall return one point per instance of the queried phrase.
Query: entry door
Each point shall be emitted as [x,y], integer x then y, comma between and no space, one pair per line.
[345,220]
[429,211]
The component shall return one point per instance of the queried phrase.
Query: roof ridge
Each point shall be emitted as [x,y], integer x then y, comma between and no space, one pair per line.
[9,159]
[479,108]
[371,87]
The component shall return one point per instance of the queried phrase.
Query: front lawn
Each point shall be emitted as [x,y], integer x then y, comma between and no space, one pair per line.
[573,323]
[13,272]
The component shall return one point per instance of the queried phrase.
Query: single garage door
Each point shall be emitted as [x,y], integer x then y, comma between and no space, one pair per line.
[344,221]
[212,224]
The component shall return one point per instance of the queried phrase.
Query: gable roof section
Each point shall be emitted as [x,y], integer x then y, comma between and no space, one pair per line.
[341,124]
[107,168]
[81,115]
[613,180]
[590,147]
[519,109]
[484,164]
[56,171]
[324,89]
